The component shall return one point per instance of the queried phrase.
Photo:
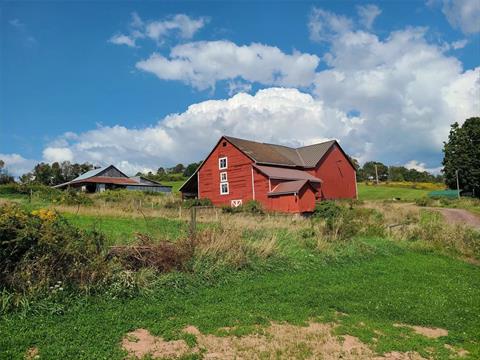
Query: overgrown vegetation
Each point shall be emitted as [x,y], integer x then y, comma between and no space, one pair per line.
[40,253]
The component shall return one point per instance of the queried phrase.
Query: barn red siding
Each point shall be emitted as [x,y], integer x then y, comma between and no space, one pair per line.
[304,202]
[239,176]
[337,174]
[335,171]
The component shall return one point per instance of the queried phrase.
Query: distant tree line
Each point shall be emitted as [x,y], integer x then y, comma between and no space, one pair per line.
[393,173]
[55,173]
[175,173]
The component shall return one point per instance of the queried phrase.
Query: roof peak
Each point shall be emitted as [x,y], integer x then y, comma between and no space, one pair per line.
[282,155]
[285,146]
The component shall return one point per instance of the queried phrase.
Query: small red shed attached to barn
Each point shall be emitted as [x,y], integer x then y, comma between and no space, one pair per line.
[279,177]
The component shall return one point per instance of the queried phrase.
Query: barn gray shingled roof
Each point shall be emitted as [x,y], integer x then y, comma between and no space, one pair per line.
[306,156]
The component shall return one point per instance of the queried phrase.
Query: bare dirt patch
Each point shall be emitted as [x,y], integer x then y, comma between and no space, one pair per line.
[140,343]
[432,333]
[278,341]
[458,352]
[459,216]
[32,353]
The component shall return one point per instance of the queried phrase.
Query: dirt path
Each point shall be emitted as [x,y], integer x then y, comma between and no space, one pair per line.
[459,216]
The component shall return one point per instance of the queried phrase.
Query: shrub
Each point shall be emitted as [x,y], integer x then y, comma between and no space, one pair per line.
[40,250]
[188,203]
[231,209]
[327,210]
[253,207]
[36,190]
[120,195]
[424,201]
[73,197]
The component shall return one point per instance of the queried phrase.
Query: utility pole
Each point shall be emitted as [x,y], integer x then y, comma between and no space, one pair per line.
[376,173]
[458,185]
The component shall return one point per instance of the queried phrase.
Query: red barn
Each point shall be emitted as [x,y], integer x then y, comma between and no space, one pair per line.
[279,177]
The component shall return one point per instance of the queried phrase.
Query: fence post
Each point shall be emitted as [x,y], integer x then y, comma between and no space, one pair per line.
[193,222]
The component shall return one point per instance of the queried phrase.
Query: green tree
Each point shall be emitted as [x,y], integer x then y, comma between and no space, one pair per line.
[462,154]
[178,169]
[191,168]
[369,171]
[5,178]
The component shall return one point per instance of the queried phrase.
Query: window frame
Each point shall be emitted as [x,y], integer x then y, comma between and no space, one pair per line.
[220,163]
[221,188]
[226,176]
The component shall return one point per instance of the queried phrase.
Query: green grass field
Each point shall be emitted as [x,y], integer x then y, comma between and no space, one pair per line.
[375,282]
[175,184]
[121,230]
[372,192]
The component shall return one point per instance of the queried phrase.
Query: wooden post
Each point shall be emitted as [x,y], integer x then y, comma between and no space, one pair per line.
[193,222]
[458,184]
[376,173]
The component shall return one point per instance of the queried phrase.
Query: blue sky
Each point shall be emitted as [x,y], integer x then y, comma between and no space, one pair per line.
[112,82]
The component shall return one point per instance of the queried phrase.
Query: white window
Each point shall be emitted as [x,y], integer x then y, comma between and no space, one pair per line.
[222,163]
[224,188]
[223,177]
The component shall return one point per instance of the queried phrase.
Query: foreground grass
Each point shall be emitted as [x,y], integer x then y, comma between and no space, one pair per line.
[374,192]
[375,282]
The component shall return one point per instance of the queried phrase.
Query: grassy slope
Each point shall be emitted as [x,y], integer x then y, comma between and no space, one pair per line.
[371,192]
[121,230]
[391,285]
[175,184]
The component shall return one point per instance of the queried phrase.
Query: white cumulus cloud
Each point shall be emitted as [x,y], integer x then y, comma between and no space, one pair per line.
[367,14]
[59,154]
[463,14]
[16,164]
[180,25]
[201,64]
[324,25]
[121,39]
[407,91]
[280,115]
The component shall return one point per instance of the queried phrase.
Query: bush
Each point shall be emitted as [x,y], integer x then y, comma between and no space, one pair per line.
[39,191]
[189,203]
[73,197]
[327,210]
[253,207]
[424,201]
[120,195]
[41,250]
[231,209]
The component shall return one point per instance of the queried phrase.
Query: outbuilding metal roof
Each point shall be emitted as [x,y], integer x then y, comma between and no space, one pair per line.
[90,173]
[306,156]
[288,187]
[274,172]
[107,180]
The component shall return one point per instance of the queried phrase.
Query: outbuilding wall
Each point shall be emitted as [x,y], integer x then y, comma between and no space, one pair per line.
[338,176]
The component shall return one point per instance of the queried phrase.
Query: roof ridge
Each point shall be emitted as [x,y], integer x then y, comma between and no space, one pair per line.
[323,142]
[300,157]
